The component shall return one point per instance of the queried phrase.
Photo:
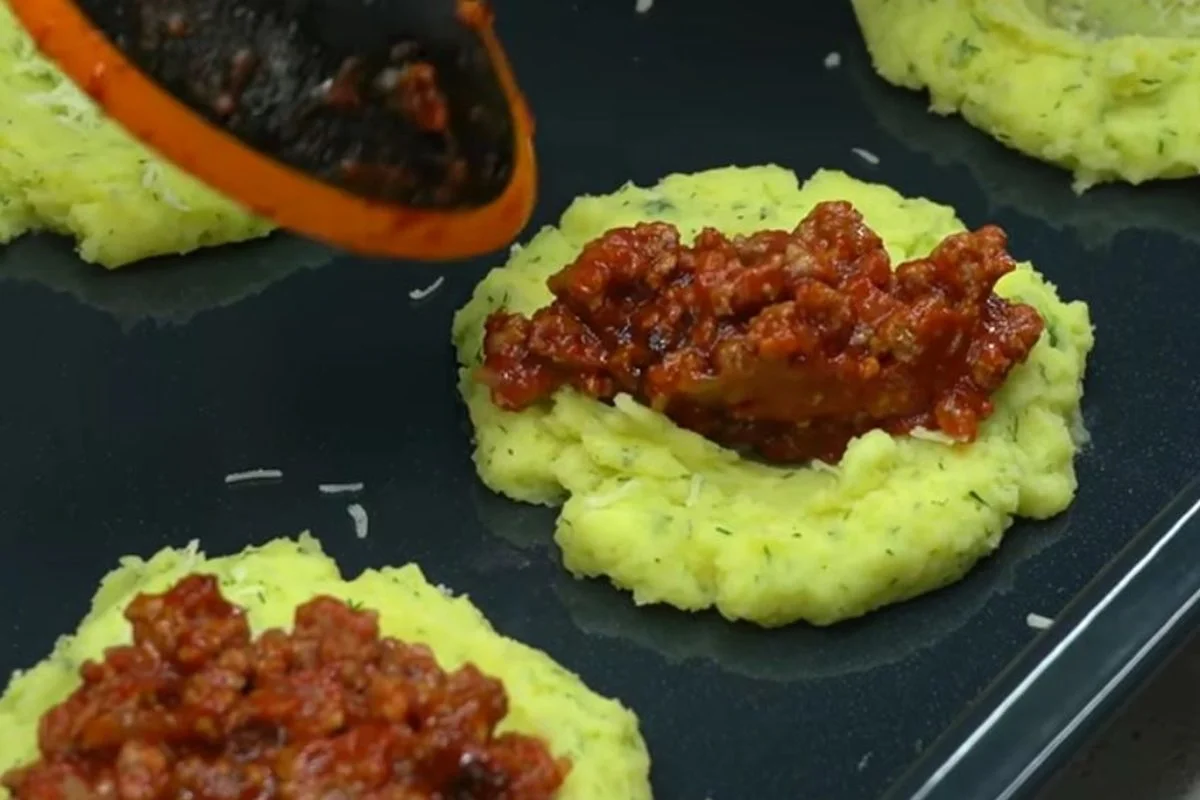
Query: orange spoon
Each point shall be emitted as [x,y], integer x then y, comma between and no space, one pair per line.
[387,127]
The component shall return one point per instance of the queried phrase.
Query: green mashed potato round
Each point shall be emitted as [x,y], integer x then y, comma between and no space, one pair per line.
[1093,220]
[676,519]
[68,169]
[1109,89]
[599,735]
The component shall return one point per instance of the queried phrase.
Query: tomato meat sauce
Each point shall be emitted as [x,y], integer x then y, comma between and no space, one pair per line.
[783,344]
[196,708]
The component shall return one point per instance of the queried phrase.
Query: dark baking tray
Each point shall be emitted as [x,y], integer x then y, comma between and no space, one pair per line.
[126,399]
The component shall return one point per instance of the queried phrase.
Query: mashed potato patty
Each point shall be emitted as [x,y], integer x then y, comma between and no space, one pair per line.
[66,168]
[599,735]
[676,519]
[1104,88]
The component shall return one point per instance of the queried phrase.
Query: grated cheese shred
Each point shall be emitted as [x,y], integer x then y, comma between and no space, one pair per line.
[253,475]
[359,515]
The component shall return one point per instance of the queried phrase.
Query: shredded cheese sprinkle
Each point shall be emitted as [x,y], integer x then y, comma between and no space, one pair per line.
[359,515]
[191,553]
[253,475]
[932,436]
[833,60]
[865,155]
[69,105]
[339,488]
[1038,622]
[602,500]
[152,180]
[421,294]
[1080,434]
[822,466]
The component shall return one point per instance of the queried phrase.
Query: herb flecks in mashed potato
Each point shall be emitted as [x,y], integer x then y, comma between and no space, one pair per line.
[1104,88]
[677,519]
[600,736]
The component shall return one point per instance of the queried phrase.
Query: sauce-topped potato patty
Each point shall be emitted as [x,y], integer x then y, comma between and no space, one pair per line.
[1104,88]
[380,687]
[787,344]
[562,382]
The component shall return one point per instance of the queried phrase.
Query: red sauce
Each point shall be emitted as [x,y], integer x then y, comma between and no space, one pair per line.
[788,344]
[342,91]
[419,96]
[196,708]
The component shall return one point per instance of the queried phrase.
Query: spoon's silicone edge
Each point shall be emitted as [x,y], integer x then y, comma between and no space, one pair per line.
[269,188]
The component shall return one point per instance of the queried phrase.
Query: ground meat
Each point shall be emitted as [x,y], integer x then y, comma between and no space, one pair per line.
[418,94]
[787,344]
[196,709]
